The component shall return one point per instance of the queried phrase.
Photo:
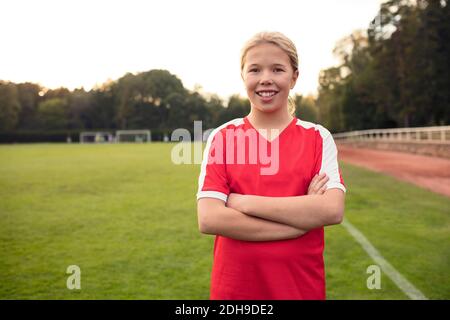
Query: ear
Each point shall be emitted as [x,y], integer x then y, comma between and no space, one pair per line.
[294,78]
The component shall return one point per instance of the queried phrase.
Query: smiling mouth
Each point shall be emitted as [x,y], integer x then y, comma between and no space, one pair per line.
[266,93]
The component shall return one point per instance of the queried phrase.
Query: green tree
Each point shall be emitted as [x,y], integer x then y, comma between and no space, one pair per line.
[9,106]
[53,114]
[306,109]
[145,94]
[237,107]
[30,94]
[396,74]
[79,103]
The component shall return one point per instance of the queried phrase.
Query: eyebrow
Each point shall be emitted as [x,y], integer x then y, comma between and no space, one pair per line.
[274,65]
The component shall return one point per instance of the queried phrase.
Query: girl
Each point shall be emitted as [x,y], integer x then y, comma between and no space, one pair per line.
[269,227]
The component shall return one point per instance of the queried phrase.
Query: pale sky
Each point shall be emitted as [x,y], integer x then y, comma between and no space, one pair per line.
[74,43]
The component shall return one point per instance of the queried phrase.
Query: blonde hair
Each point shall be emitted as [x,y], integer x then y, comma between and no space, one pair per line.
[280,40]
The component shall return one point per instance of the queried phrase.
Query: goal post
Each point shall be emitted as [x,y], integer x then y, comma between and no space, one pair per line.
[96,137]
[143,136]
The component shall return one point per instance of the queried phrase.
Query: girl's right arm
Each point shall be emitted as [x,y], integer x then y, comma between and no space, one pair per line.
[215,218]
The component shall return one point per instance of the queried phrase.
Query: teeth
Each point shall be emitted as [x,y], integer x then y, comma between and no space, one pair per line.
[266,94]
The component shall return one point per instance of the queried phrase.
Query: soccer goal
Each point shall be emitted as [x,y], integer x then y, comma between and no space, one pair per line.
[133,136]
[96,137]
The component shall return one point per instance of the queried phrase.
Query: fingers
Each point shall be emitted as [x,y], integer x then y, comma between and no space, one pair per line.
[318,179]
[318,184]
[321,185]
[312,183]
[323,189]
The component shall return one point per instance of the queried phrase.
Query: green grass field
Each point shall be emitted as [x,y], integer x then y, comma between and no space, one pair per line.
[127,217]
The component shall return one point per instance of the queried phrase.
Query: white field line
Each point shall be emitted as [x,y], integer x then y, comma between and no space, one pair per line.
[401,282]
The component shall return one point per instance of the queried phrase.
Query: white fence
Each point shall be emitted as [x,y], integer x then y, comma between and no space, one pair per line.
[430,135]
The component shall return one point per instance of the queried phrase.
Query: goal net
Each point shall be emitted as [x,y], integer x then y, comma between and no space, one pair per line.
[133,136]
[96,137]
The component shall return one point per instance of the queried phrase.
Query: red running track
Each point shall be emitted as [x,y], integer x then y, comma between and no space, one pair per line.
[428,172]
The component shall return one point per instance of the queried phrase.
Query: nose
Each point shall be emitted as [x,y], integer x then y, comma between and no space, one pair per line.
[265,79]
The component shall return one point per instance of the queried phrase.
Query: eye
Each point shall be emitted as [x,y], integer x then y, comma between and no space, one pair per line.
[253,70]
[278,70]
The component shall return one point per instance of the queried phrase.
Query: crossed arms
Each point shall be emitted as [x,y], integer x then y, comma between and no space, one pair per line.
[257,218]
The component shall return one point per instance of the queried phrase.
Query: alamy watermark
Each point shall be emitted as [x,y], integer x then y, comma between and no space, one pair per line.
[374,280]
[229,146]
[74,280]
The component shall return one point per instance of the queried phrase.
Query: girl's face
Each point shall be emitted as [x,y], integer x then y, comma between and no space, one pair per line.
[268,76]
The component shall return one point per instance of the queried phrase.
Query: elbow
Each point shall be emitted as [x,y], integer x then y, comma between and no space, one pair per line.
[204,223]
[209,215]
[337,216]
[205,229]
[335,206]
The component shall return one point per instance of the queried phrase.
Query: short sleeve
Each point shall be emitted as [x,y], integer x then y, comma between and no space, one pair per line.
[329,162]
[213,182]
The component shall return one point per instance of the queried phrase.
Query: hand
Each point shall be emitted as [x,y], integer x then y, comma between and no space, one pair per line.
[236,201]
[318,184]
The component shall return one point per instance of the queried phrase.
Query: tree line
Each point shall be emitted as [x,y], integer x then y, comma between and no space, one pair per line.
[394,74]
[155,100]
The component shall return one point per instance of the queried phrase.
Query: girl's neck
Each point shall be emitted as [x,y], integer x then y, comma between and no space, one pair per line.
[269,120]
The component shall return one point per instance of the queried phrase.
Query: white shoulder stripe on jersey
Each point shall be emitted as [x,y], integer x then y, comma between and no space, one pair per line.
[329,163]
[212,194]
[201,179]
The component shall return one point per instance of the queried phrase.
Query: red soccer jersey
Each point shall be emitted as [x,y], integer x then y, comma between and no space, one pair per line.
[284,269]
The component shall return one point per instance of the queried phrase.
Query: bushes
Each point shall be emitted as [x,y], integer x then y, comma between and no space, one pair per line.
[39,136]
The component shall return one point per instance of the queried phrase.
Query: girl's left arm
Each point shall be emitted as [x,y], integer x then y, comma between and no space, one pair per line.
[303,212]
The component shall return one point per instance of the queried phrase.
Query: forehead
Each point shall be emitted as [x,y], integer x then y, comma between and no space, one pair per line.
[266,53]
